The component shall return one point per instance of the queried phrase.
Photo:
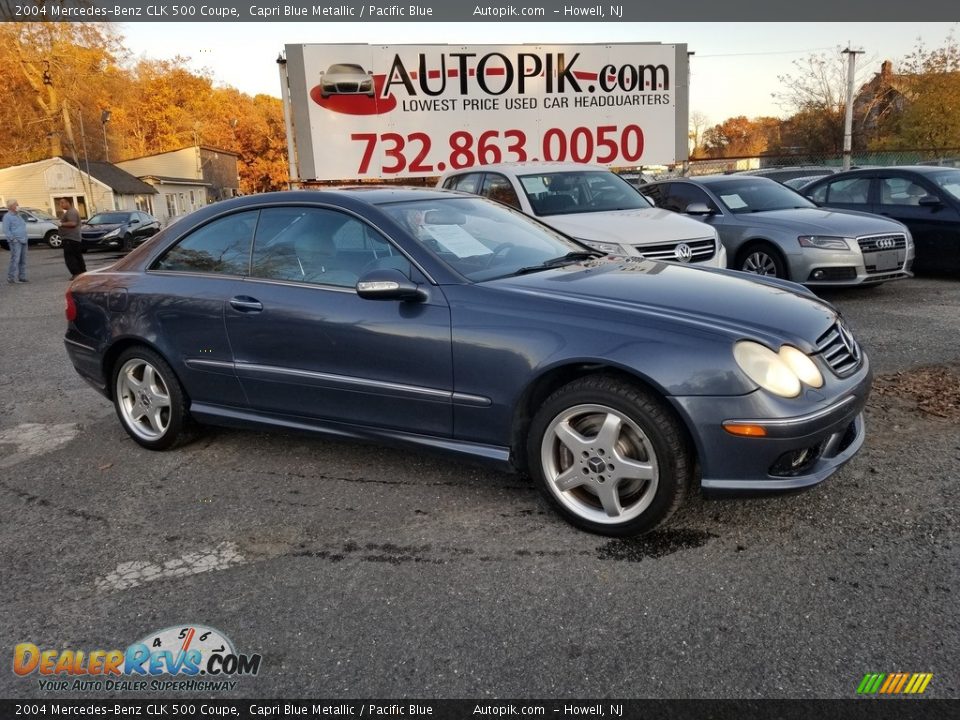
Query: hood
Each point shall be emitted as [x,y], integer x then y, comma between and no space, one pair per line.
[720,301]
[821,221]
[642,226]
[99,229]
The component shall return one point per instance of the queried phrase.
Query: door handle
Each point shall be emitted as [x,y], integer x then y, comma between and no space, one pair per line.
[243,303]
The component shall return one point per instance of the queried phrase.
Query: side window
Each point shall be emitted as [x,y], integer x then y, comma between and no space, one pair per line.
[819,195]
[497,187]
[465,183]
[222,247]
[317,246]
[681,195]
[900,191]
[653,193]
[851,191]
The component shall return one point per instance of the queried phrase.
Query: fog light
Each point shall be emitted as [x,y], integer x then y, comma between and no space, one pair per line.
[818,274]
[796,462]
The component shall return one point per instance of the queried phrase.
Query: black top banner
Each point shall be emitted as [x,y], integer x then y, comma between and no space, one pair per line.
[464,11]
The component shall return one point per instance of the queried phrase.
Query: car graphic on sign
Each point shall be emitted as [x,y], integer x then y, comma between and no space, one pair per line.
[346,79]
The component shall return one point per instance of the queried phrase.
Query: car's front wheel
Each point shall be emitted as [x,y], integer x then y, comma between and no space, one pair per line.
[610,456]
[52,239]
[762,259]
[150,402]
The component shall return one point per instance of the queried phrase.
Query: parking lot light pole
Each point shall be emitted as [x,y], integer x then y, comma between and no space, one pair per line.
[848,119]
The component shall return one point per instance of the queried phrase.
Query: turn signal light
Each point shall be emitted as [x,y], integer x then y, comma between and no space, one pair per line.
[745,430]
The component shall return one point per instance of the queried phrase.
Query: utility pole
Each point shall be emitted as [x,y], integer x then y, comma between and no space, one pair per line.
[848,120]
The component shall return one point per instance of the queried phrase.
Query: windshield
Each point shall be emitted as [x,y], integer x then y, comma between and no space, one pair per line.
[580,191]
[757,195]
[478,238]
[40,214]
[108,218]
[948,181]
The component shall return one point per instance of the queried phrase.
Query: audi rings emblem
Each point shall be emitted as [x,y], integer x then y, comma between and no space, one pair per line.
[886,243]
[683,253]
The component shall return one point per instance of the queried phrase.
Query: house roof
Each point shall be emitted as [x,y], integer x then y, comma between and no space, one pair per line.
[166,179]
[209,148]
[120,181]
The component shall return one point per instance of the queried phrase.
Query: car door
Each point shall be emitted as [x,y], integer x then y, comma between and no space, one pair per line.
[933,221]
[183,297]
[306,345]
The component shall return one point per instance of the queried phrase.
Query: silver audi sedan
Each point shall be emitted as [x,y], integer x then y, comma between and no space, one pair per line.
[768,229]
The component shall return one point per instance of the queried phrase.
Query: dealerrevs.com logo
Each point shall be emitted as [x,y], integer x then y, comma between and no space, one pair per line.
[179,658]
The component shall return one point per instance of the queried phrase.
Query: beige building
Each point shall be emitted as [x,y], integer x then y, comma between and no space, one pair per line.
[188,178]
[92,187]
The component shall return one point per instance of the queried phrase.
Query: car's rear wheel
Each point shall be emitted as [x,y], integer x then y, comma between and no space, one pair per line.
[762,259]
[150,401]
[52,239]
[609,456]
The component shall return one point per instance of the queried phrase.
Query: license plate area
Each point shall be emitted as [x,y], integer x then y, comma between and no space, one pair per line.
[886,260]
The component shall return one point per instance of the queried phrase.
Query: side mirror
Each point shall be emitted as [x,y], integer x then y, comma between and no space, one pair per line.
[929,201]
[32,219]
[388,284]
[698,209]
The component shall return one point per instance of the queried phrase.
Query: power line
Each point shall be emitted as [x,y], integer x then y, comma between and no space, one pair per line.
[775,52]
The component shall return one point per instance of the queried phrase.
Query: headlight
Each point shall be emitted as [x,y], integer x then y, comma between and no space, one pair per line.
[766,368]
[802,366]
[602,246]
[112,234]
[823,242]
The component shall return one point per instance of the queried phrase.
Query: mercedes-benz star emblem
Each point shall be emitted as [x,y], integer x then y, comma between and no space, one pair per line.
[683,253]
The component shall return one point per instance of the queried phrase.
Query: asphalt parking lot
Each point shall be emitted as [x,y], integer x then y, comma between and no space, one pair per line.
[357,571]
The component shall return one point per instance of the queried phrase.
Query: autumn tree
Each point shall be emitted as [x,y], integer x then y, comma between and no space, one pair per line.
[65,76]
[742,137]
[931,115]
[816,95]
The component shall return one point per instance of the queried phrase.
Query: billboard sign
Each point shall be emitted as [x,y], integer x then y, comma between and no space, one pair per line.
[364,111]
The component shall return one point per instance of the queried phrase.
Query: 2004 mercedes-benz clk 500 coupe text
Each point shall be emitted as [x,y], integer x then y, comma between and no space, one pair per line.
[447,321]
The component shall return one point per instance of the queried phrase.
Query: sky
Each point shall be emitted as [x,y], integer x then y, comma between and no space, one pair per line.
[734,71]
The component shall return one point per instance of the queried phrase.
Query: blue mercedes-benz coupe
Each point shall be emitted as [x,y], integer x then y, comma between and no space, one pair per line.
[447,321]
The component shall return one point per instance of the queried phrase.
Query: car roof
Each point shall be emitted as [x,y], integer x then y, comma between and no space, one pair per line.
[717,179]
[529,166]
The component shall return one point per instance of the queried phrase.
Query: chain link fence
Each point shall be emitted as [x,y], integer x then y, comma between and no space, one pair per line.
[830,162]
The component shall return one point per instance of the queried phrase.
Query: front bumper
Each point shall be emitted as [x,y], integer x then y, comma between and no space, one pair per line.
[825,268]
[820,440]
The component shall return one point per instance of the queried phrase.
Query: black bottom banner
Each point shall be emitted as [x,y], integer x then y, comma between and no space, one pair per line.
[862,709]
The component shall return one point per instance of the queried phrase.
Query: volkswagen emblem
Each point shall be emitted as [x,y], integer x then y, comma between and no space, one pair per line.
[683,253]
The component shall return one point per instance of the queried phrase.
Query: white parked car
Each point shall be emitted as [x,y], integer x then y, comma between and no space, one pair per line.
[595,206]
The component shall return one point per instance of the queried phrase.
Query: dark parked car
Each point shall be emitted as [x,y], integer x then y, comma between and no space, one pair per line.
[450,322]
[926,199]
[769,229]
[118,230]
[791,173]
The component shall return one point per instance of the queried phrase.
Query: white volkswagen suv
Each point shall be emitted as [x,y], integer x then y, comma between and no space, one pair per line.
[595,206]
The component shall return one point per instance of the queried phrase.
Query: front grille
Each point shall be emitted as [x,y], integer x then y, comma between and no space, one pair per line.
[839,350]
[872,247]
[700,250]
[348,87]
[876,243]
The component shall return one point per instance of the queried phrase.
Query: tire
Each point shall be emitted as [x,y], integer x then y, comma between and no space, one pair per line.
[609,456]
[762,259]
[149,400]
[52,239]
